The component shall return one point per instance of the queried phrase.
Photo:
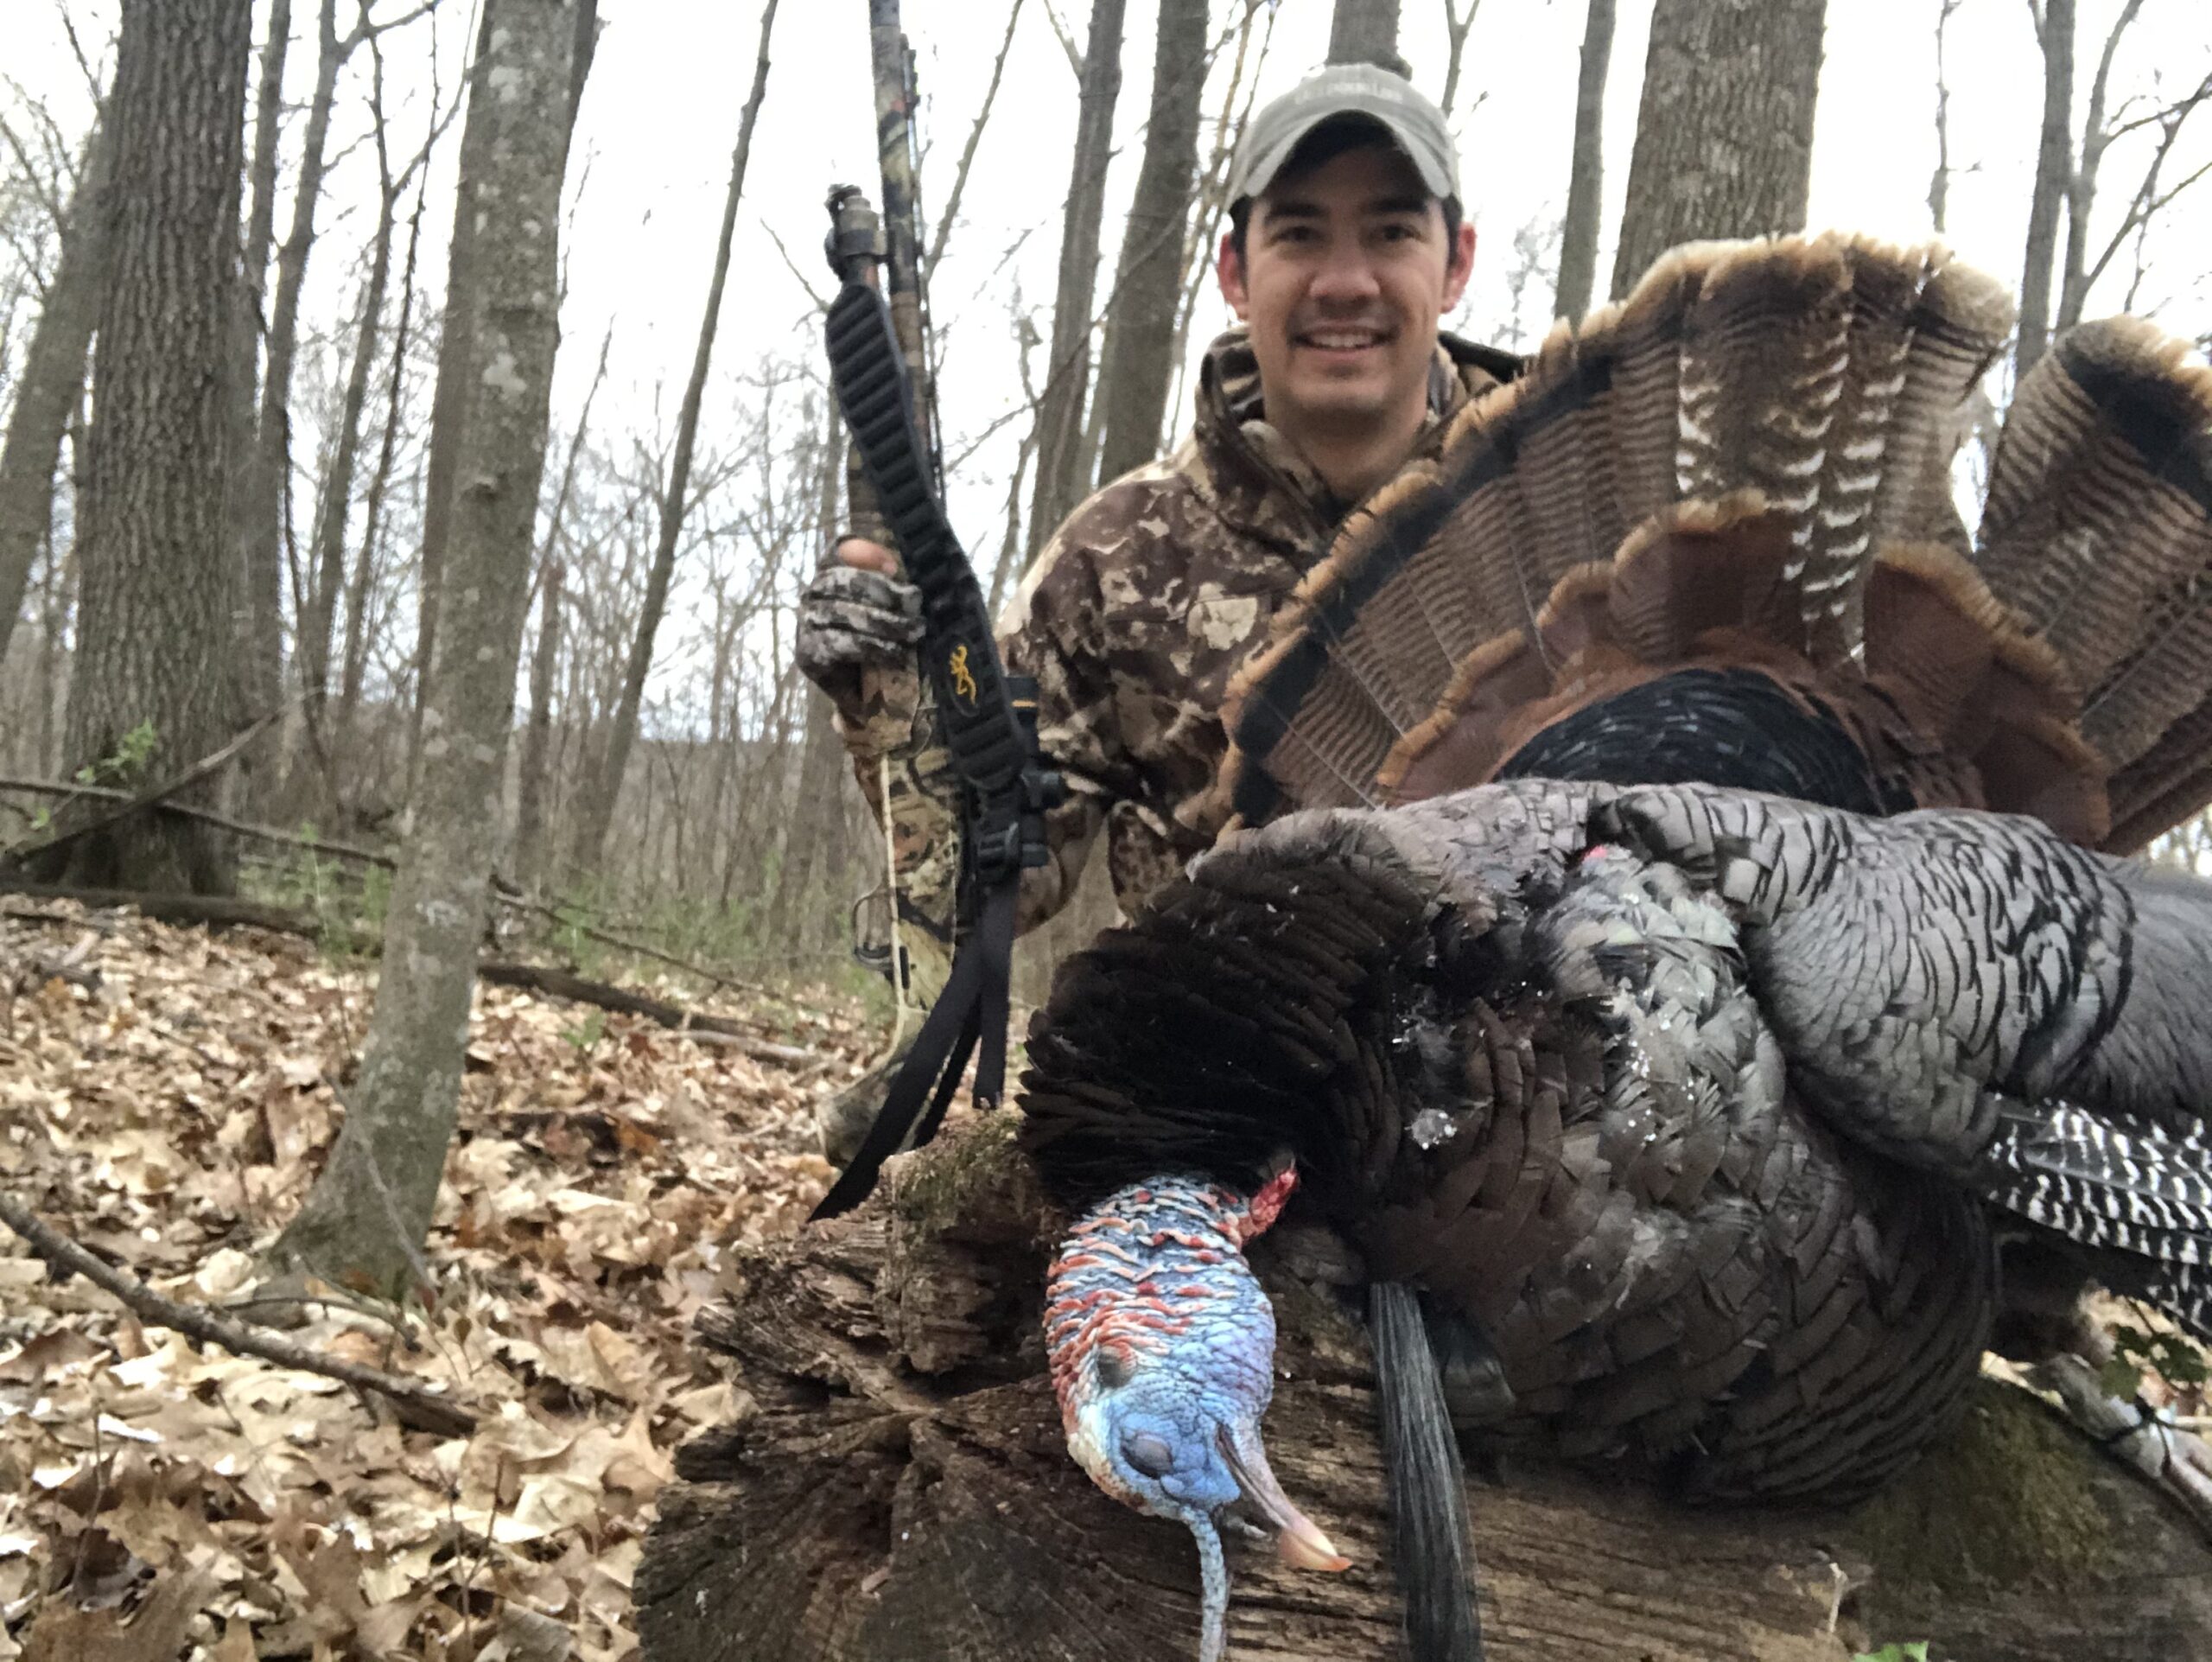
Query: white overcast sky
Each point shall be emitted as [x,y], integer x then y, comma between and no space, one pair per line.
[660,114]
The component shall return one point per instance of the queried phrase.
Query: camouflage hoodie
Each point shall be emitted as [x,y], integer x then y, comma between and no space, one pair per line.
[1133,620]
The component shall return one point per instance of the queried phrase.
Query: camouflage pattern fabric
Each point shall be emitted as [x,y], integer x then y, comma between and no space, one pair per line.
[1133,620]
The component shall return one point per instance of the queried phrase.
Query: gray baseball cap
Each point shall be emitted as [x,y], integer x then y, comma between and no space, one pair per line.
[1360,89]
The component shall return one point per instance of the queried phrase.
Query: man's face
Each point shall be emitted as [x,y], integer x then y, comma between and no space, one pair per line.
[1346,274]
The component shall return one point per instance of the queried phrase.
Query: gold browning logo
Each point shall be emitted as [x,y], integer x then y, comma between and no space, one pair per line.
[964,678]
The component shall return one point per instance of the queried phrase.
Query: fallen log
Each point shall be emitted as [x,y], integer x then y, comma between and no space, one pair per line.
[899,1489]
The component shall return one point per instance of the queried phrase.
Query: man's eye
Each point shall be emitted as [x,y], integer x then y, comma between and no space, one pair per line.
[1150,1455]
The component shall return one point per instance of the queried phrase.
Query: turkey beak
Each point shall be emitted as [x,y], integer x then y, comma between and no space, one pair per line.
[1298,1539]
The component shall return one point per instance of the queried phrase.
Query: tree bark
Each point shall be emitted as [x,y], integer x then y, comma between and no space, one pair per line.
[1060,481]
[2082,182]
[53,379]
[154,611]
[327,555]
[819,856]
[1724,134]
[242,391]
[269,479]
[601,789]
[449,399]
[363,1222]
[901,1486]
[538,729]
[353,669]
[1366,31]
[1586,184]
[2054,170]
[1134,380]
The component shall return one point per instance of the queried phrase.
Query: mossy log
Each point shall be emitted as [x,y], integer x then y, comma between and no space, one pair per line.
[898,1489]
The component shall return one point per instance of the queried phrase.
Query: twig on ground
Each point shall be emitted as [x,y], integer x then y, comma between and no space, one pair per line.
[418,1403]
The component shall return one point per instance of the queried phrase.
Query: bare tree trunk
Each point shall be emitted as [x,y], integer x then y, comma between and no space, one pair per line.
[354,669]
[2081,186]
[269,482]
[538,730]
[1586,184]
[53,379]
[1244,73]
[242,386]
[1134,381]
[327,554]
[364,1223]
[448,399]
[1366,31]
[156,574]
[1067,379]
[819,838]
[54,610]
[529,784]
[2054,170]
[599,793]
[1724,134]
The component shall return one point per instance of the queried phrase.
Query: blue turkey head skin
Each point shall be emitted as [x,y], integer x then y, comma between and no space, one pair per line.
[1162,1347]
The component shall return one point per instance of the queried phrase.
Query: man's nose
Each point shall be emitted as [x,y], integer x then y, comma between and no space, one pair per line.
[1346,273]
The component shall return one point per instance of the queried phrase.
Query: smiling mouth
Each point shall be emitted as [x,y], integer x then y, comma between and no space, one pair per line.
[1342,339]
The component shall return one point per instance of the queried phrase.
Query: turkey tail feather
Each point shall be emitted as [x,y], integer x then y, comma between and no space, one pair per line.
[2098,533]
[1434,1554]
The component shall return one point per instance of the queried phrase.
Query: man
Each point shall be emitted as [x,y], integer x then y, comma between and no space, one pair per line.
[1347,244]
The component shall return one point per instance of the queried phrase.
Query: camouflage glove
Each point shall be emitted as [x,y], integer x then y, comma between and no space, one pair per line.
[850,621]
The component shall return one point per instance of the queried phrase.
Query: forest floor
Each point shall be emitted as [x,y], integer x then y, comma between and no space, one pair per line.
[165,1096]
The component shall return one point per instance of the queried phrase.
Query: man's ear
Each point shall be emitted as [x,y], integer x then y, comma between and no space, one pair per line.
[1229,270]
[1461,265]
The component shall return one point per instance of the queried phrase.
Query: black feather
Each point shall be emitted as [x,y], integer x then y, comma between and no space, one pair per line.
[1433,1550]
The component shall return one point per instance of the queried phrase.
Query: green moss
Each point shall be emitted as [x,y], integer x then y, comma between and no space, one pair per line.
[972,1176]
[2005,1502]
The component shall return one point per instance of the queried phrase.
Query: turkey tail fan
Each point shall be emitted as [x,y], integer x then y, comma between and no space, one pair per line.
[1734,467]
[2098,535]
[1428,1484]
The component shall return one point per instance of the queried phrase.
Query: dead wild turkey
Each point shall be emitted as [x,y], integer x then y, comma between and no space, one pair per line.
[1672,1123]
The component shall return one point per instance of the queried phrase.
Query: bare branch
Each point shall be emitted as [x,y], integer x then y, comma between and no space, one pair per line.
[1939,183]
[421,1404]
[1455,29]
[2149,200]
[791,265]
[968,154]
[35,174]
[94,83]
[1067,40]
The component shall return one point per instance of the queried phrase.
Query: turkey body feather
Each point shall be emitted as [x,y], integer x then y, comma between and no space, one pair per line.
[1692,1103]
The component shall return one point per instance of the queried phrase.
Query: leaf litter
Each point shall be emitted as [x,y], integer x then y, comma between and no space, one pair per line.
[166,1099]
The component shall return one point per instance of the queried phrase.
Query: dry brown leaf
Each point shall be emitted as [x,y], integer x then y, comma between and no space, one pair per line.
[64,1634]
